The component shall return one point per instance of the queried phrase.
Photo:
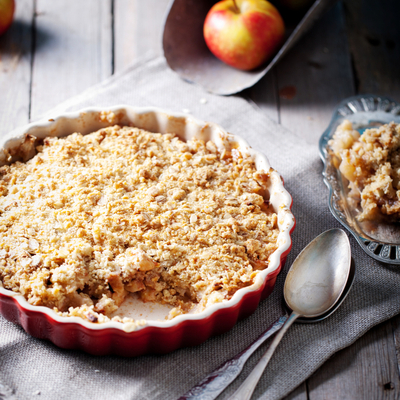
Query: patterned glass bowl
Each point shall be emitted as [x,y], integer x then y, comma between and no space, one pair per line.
[157,335]
[380,241]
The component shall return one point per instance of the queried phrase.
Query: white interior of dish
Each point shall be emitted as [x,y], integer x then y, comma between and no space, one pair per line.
[186,127]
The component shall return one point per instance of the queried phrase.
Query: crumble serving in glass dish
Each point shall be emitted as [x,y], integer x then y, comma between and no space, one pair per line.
[360,170]
[371,164]
[190,221]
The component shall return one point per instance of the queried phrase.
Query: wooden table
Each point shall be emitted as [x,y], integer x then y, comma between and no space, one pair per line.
[56,49]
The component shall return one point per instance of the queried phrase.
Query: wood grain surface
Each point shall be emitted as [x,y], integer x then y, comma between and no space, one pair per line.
[73,50]
[15,69]
[50,54]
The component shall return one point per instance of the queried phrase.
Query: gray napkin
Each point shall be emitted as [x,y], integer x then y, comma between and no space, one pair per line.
[32,368]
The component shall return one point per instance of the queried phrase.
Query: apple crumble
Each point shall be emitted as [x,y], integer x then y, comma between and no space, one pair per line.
[90,219]
[371,163]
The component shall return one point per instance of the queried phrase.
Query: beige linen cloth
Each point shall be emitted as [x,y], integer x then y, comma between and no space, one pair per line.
[32,368]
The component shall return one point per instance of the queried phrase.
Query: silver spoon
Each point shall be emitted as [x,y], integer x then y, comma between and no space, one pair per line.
[325,260]
[313,285]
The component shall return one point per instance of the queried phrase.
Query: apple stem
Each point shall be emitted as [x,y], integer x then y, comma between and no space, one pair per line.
[236,6]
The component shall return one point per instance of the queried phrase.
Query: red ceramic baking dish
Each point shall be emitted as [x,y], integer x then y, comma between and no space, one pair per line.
[155,334]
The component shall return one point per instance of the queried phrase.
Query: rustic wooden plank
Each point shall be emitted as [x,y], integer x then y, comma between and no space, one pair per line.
[15,69]
[138,27]
[125,33]
[73,50]
[374,38]
[315,76]
[396,335]
[352,373]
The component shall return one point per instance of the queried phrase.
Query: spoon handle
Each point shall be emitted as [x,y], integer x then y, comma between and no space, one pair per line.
[246,389]
[217,381]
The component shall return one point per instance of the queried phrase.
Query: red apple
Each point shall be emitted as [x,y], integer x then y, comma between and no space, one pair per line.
[243,33]
[7,8]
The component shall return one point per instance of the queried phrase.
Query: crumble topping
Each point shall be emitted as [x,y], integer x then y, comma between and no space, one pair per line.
[90,219]
[371,163]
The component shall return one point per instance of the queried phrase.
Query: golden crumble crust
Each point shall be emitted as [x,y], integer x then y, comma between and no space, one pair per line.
[90,219]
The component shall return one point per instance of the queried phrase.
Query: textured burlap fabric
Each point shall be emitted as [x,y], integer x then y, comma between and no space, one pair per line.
[32,368]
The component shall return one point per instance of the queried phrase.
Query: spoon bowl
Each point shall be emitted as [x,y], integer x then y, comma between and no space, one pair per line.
[319,274]
[349,284]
